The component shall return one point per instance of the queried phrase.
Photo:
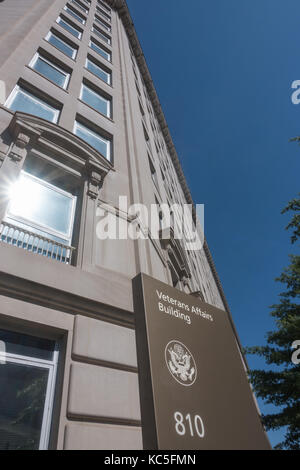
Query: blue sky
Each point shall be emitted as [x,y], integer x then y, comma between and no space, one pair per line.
[223,72]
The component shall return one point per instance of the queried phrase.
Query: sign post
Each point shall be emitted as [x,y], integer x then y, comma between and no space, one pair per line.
[193,382]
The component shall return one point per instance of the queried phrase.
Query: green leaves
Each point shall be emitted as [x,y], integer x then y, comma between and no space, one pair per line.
[281,387]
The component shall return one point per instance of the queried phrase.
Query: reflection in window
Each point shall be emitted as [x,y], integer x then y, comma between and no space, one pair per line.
[22,100]
[96,140]
[42,208]
[100,50]
[69,27]
[62,45]
[99,71]
[95,100]
[50,70]
[26,383]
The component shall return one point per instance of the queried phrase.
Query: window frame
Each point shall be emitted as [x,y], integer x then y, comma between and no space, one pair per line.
[50,389]
[92,40]
[101,34]
[69,22]
[38,55]
[108,73]
[74,14]
[100,95]
[44,228]
[80,6]
[75,50]
[45,104]
[104,25]
[106,140]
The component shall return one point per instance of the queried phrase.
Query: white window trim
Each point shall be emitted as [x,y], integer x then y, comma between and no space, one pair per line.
[81,7]
[101,35]
[98,95]
[104,15]
[49,398]
[42,103]
[107,142]
[53,34]
[99,47]
[66,74]
[103,24]
[45,228]
[71,26]
[81,19]
[108,81]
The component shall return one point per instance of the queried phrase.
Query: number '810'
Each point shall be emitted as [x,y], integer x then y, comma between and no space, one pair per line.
[195,425]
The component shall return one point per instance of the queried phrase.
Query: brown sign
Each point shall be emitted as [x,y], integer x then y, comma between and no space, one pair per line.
[193,383]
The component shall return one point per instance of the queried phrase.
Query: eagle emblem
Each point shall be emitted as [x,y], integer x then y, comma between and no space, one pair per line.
[181,363]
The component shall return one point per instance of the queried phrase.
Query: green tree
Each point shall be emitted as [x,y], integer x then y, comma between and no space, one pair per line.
[281,387]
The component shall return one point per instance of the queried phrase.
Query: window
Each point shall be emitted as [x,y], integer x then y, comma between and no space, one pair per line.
[22,100]
[153,172]
[104,6]
[72,12]
[79,5]
[102,12]
[97,70]
[97,48]
[27,377]
[95,100]
[41,207]
[101,35]
[61,44]
[66,24]
[104,25]
[50,70]
[100,143]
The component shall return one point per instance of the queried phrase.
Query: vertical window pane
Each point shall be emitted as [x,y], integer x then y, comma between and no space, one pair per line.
[97,70]
[25,345]
[50,71]
[61,45]
[24,101]
[101,35]
[100,51]
[95,100]
[66,25]
[74,14]
[42,205]
[94,139]
[22,400]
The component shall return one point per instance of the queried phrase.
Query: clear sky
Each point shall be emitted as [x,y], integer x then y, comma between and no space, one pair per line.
[223,72]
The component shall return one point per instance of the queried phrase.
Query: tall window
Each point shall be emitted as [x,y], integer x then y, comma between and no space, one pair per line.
[50,70]
[75,15]
[95,139]
[100,50]
[61,44]
[80,5]
[69,26]
[98,70]
[101,35]
[95,100]
[42,208]
[103,24]
[25,101]
[27,379]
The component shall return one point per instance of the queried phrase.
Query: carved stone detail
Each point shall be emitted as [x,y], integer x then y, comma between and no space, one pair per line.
[95,181]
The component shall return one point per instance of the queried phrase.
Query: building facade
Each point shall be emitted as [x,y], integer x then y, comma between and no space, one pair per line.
[80,125]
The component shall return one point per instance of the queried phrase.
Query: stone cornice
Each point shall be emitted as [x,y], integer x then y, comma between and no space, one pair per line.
[121,7]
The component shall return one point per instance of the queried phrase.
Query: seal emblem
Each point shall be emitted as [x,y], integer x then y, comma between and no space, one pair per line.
[181,363]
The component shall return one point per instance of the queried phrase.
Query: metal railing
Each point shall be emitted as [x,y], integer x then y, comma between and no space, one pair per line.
[30,241]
